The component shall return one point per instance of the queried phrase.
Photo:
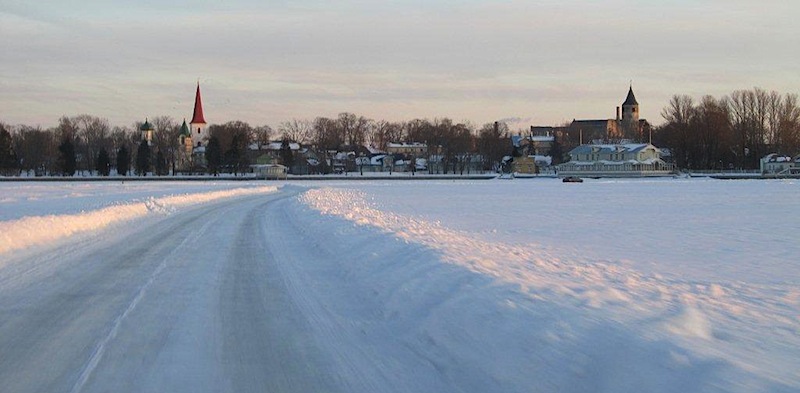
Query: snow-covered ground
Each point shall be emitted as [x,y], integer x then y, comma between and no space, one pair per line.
[494,285]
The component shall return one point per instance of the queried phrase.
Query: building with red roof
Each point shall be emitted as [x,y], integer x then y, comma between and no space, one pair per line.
[198,123]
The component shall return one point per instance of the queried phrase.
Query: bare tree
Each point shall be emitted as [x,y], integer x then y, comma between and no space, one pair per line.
[296,130]
[166,140]
[262,134]
[353,128]
[384,132]
[327,135]
[493,143]
[93,136]
[789,125]
[711,133]
[676,133]
[226,132]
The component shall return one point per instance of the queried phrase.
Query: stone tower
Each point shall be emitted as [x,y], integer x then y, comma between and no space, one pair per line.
[630,117]
[198,123]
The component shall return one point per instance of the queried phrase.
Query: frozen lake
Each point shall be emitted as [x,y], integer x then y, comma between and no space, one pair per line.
[486,285]
[702,229]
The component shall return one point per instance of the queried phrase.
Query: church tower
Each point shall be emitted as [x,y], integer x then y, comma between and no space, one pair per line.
[199,131]
[630,117]
[147,130]
[185,137]
[184,154]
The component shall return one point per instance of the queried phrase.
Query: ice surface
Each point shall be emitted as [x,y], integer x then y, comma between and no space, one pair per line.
[524,285]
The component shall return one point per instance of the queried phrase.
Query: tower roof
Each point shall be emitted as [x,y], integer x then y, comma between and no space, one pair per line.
[185,129]
[630,99]
[197,117]
[146,126]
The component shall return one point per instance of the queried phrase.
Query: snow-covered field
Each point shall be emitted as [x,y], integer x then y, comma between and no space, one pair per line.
[474,286]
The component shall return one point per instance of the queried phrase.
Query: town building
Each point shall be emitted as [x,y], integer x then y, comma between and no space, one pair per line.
[616,160]
[415,149]
[776,164]
[627,126]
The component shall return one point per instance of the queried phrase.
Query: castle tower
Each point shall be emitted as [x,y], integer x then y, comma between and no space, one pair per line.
[630,117]
[198,123]
[147,130]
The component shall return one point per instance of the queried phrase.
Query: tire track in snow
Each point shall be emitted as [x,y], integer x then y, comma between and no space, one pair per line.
[97,355]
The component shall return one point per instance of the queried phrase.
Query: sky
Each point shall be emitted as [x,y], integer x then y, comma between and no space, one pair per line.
[264,62]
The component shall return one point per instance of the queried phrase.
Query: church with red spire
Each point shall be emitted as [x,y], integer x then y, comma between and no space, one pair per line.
[198,123]
[193,137]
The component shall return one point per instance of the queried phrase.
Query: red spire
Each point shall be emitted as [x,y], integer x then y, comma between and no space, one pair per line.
[197,118]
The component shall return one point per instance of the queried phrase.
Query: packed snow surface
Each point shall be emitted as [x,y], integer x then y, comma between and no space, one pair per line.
[468,286]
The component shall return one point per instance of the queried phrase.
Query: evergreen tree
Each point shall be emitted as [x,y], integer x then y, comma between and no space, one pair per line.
[9,164]
[123,161]
[286,154]
[236,157]
[66,157]
[143,159]
[556,152]
[103,162]
[161,164]
[231,158]
[213,155]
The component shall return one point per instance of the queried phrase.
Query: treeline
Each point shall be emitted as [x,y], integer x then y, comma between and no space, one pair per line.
[731,132]
[88,143]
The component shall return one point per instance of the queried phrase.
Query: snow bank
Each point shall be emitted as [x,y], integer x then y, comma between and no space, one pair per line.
[36,230]
[745,330]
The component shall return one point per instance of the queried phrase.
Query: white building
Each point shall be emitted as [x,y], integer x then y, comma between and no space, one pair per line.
[415,149]
[778,164]
[623,160]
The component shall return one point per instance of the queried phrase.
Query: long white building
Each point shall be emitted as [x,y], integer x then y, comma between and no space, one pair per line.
[622,160]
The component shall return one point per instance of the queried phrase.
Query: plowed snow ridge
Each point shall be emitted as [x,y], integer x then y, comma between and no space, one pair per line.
[30,231]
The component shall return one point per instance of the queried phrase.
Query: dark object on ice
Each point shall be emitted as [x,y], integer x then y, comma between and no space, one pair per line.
[572,179]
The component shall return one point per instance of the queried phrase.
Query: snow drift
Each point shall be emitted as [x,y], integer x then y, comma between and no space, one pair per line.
[36,230]
[604,321]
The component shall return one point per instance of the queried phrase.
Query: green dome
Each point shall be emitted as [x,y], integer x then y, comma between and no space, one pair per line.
[185,129]
[146,126]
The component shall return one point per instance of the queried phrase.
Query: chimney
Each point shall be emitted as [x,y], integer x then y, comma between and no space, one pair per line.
[496,126]
[617,113]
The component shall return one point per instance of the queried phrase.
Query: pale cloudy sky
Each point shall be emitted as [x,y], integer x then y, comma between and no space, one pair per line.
[264,62]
